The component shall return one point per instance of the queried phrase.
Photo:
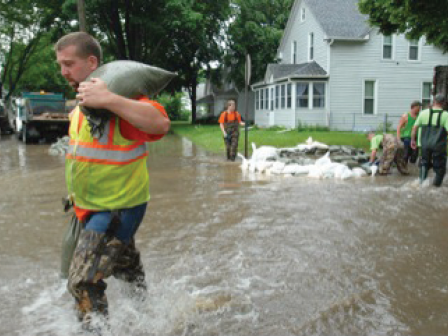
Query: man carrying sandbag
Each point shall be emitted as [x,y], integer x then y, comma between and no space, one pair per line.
[107,177]
[432,125]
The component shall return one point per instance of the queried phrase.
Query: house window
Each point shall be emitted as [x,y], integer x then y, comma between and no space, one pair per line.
[387,47]
[272,99]
[369,97]
[302,94]
[261,99]
[413,50]
[426,94]
[266,99]
[283,100]
[288,95]
[319,95]
[294,52]
[302,14]
[277,96]
[257,100]
[311,47]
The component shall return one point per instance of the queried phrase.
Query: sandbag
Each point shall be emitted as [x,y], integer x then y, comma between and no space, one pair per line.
[129,79]
[69,242]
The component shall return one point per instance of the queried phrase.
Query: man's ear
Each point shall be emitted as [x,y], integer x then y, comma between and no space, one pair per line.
[93,62]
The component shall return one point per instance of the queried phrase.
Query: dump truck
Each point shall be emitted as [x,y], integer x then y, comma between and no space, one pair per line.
[40,115]
[440,82]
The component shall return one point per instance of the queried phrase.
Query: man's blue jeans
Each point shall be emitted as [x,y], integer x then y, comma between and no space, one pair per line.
[130,221]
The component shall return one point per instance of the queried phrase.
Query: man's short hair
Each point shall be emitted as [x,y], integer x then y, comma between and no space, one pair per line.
[86,45]
[416,103]
[440,99]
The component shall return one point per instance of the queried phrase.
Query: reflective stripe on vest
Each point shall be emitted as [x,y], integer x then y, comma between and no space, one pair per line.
[103,149]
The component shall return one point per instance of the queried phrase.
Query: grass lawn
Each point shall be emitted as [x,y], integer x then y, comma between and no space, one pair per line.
[210,137]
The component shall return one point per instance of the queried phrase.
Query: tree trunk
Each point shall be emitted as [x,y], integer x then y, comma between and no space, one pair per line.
[194,84]
[82,16]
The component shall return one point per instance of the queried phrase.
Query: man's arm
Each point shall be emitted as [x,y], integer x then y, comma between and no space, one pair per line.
[372,156]
[403,121]
[413,134]
[142,115]
[222,129]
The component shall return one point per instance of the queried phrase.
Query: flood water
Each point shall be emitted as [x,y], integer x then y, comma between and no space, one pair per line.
[228,253]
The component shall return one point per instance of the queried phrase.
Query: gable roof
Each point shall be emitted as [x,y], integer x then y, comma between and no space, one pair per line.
[281,72]
[310,69]
[340,19]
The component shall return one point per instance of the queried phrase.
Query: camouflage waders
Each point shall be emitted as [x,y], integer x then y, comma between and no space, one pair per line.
[393,151]
[231,142]
[98,256]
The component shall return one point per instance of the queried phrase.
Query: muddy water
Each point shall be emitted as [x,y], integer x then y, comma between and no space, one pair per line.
[234,254]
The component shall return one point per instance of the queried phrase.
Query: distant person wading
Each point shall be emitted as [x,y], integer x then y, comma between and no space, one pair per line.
[229,122]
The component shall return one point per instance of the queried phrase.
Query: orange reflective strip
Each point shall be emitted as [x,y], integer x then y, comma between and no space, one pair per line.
[99,146]
[105,162]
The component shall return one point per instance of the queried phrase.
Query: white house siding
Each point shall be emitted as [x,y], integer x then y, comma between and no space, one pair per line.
[305,117]
[299,32]
[399,81]
[262,118]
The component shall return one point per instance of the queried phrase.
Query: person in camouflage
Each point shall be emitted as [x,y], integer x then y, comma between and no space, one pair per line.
[229,122]
[393,151]
[107,178]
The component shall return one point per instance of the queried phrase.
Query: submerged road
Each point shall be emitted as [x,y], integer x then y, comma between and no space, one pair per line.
[234,254]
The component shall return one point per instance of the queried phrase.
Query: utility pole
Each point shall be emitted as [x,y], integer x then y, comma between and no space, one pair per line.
[247,74]
[82,16]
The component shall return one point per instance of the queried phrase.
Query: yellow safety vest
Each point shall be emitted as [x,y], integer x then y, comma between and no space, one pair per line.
[107,173]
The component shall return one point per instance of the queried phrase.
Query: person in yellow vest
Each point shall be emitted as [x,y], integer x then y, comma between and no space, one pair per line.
[404,129]
[107,177]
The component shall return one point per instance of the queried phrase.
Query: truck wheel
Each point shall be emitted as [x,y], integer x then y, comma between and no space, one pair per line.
[25,137]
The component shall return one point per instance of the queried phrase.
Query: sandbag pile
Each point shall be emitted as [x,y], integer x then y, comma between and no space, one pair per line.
[312,159]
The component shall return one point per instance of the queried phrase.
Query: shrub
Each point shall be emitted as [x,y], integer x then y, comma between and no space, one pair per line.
[173,106]
[303,127]
[380,128]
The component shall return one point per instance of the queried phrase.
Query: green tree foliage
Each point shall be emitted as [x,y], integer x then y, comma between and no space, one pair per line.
[178,35]
[25,25]
[196,29]
[257,29]
[415,18]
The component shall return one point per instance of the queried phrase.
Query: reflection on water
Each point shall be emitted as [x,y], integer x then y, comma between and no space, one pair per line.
[233,254]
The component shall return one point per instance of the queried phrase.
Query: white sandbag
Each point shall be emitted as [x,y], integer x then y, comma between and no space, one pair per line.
[262,166]
[319,145]
[245,162]
[277,168]
[315,172]
[347,174]
[264,153]
[323,160]
[339,171]
[358,172]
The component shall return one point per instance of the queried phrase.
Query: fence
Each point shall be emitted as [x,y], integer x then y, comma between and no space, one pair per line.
[356,122]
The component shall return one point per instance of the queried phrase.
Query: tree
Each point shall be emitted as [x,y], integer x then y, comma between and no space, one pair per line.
[24,25]
[179,35]
[415,18]
[196,34]
[257,29]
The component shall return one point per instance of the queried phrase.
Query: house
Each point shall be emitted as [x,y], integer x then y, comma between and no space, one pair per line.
[213,98]
[336,71]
